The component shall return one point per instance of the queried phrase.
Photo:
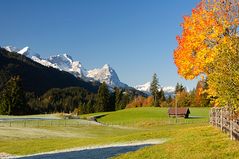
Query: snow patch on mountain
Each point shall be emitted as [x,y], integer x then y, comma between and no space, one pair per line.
[10,48]
[169,89]
[44,62]
[144,88]
[64,62]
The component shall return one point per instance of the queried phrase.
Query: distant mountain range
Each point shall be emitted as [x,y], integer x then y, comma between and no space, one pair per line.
[66,63]
[169,91]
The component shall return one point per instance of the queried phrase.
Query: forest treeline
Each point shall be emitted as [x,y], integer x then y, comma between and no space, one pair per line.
[14,101]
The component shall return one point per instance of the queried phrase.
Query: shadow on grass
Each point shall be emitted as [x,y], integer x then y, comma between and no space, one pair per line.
[196,117]
[97,153]
[96,117]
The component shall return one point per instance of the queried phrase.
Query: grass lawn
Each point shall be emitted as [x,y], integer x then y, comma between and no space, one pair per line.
[193,138]
[21,141]
[190,142]
[149,116]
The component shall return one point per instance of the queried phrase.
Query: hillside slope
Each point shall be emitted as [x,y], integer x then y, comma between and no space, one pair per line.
[36,77]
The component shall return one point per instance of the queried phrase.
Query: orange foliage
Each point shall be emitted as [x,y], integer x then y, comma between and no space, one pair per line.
[148,101]
[210,22]
[198,93]
[141,102]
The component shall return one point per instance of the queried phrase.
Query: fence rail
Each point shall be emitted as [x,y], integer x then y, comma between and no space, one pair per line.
[80,122]
[225,119]
[44,123]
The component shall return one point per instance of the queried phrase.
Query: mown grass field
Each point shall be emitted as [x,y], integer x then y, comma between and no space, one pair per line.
[192,138]
[149,117]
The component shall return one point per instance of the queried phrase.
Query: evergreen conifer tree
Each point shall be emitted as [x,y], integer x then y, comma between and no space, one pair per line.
[89,106]
[112,101]
[118,99]
[161,95]
[103,99]
[170,99]
[154,89]
[125,100]
[13,100]
[179,88]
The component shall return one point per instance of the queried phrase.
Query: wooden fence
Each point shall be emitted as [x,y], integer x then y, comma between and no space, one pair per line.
[225,119]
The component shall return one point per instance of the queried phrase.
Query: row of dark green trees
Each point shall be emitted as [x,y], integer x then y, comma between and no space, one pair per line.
[15,101]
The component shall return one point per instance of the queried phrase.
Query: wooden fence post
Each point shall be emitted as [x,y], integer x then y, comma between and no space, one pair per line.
[231,126]
[210,116]
[216,118]
[231,129]
[221,119]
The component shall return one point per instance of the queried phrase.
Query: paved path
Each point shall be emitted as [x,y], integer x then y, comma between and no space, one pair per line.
[95,152]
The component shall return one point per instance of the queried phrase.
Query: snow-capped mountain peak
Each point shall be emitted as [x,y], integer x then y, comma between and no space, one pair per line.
[106,74]
[25,51]
[106,66]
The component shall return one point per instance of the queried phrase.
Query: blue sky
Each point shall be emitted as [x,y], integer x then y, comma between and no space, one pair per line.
[136,37]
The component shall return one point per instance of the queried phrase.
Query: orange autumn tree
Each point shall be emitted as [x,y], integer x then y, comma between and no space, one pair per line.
[141,102]
[208,24]
[198,93]
[226,11]
[209,38]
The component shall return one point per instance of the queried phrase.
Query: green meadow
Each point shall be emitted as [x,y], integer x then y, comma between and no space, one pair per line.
[186,138]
